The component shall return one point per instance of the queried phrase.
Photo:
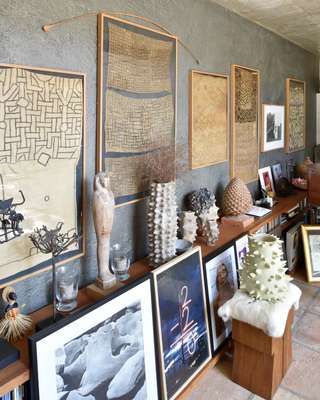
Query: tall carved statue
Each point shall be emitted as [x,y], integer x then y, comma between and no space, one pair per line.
[103,211]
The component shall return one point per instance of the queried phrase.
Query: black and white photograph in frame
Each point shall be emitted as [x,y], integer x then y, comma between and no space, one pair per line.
[222,282]
[293,245]
[276,173]
[273,127]
[104,352]
[242,248]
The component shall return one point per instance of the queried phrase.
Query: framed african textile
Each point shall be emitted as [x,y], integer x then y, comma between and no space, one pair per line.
[136,104]
[208,118]
[42,126]
[245,123]
[295,115]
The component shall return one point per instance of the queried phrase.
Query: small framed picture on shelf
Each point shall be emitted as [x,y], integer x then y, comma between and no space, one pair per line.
[106,351]
[276,173]
[183,329]
[266,180]
[311,246]
[293,240]
[273,127]
[222,282]
[242,247]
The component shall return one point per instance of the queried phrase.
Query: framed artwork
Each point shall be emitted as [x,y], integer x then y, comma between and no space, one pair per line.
[183,330]
[276,172]
[222,282]
[245,123]
[272,127]
[295,115]
[136,119]
[208,118]
[293,240]
[105,351]
[266,180]
[242,248]
[42,163]
[311,240]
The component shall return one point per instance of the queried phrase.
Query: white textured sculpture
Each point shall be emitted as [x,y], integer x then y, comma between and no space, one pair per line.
[103,212]
[162,223]
[209,224]
[263,272]
[189,226]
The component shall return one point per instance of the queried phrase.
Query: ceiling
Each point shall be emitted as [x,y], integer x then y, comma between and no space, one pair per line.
[296,20]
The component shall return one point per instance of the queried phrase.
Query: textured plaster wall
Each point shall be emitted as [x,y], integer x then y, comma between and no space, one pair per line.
[218,38]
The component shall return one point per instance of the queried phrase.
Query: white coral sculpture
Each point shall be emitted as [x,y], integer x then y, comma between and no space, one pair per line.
[189,226]
[210,224]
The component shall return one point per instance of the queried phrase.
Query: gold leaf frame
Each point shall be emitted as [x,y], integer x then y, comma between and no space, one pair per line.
[305,229]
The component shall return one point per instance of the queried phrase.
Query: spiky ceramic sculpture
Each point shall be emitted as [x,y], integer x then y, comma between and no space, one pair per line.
[263,273]
[200,201]
[162,223]
[189,226]
[209,224]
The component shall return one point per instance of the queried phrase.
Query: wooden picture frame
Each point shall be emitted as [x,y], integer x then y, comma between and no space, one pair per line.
[131,162]
[208,119]
[124,319]
[268,140]
[182,321]
[241,248]
[236,125]
[265,177]
[293,242]
[290,145]
[310,234]
[51,105]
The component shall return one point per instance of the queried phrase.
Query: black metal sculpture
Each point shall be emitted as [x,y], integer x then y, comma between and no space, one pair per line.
[10,219]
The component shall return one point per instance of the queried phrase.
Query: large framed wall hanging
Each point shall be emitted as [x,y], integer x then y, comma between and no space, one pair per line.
[183,331]
[136,118]
[245,123]
[295,115]
[272,127]
[42,163]
[106,351]
[208,118]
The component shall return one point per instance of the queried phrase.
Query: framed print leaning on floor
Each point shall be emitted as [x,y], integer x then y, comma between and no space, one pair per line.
[103,352]
[311,245]
[183,331]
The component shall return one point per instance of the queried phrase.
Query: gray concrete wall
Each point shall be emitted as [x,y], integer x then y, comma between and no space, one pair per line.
[218,38]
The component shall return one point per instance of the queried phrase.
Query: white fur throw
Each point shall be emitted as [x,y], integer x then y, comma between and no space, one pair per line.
[270,317]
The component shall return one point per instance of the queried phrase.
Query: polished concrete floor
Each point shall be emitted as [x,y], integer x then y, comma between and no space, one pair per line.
[303,378]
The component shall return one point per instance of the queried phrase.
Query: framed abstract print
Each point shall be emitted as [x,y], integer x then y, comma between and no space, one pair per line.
[242,248]
[311,246]
[266,180]
[272,127]
[42,160]
[208,118]
[103,352]
[295,115]
[183,331]
[136,119]
[222,282]
[245,123]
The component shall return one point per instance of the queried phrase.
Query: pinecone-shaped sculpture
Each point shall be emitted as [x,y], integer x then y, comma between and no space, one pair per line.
[209,224]
[189,226]
[162,223]
[236,198]
[263,273]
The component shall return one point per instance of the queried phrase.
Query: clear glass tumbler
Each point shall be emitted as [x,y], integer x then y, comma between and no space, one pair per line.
[120,263]
[67,281]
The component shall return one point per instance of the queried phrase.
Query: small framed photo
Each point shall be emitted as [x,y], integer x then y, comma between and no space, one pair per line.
[242,248]
[222,282]
[266,180]
[183,329]
[276,173]
[273,118]
[311,246]
[106,351]
[293,241]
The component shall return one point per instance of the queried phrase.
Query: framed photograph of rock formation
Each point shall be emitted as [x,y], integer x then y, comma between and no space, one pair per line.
[208,118]
[42,163]
[183,331]
[245,123]
[272,127]
[105,351]
[295,115]
[136,103]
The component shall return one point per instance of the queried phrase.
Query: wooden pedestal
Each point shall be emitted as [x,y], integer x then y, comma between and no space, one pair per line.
[260,362]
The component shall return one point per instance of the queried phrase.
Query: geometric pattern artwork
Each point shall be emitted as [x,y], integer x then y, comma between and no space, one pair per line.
[295,115]
[41,160]
[246,114]
[209,104]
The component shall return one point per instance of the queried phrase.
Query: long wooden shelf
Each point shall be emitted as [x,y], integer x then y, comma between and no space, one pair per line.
[18,373]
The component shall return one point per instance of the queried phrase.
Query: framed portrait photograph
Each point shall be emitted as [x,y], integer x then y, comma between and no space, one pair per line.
[273,118]
[183,329]
[311,246]
[106,351]
[242,248]
[276,173]
[293,241]
[266,180]
[222,282]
